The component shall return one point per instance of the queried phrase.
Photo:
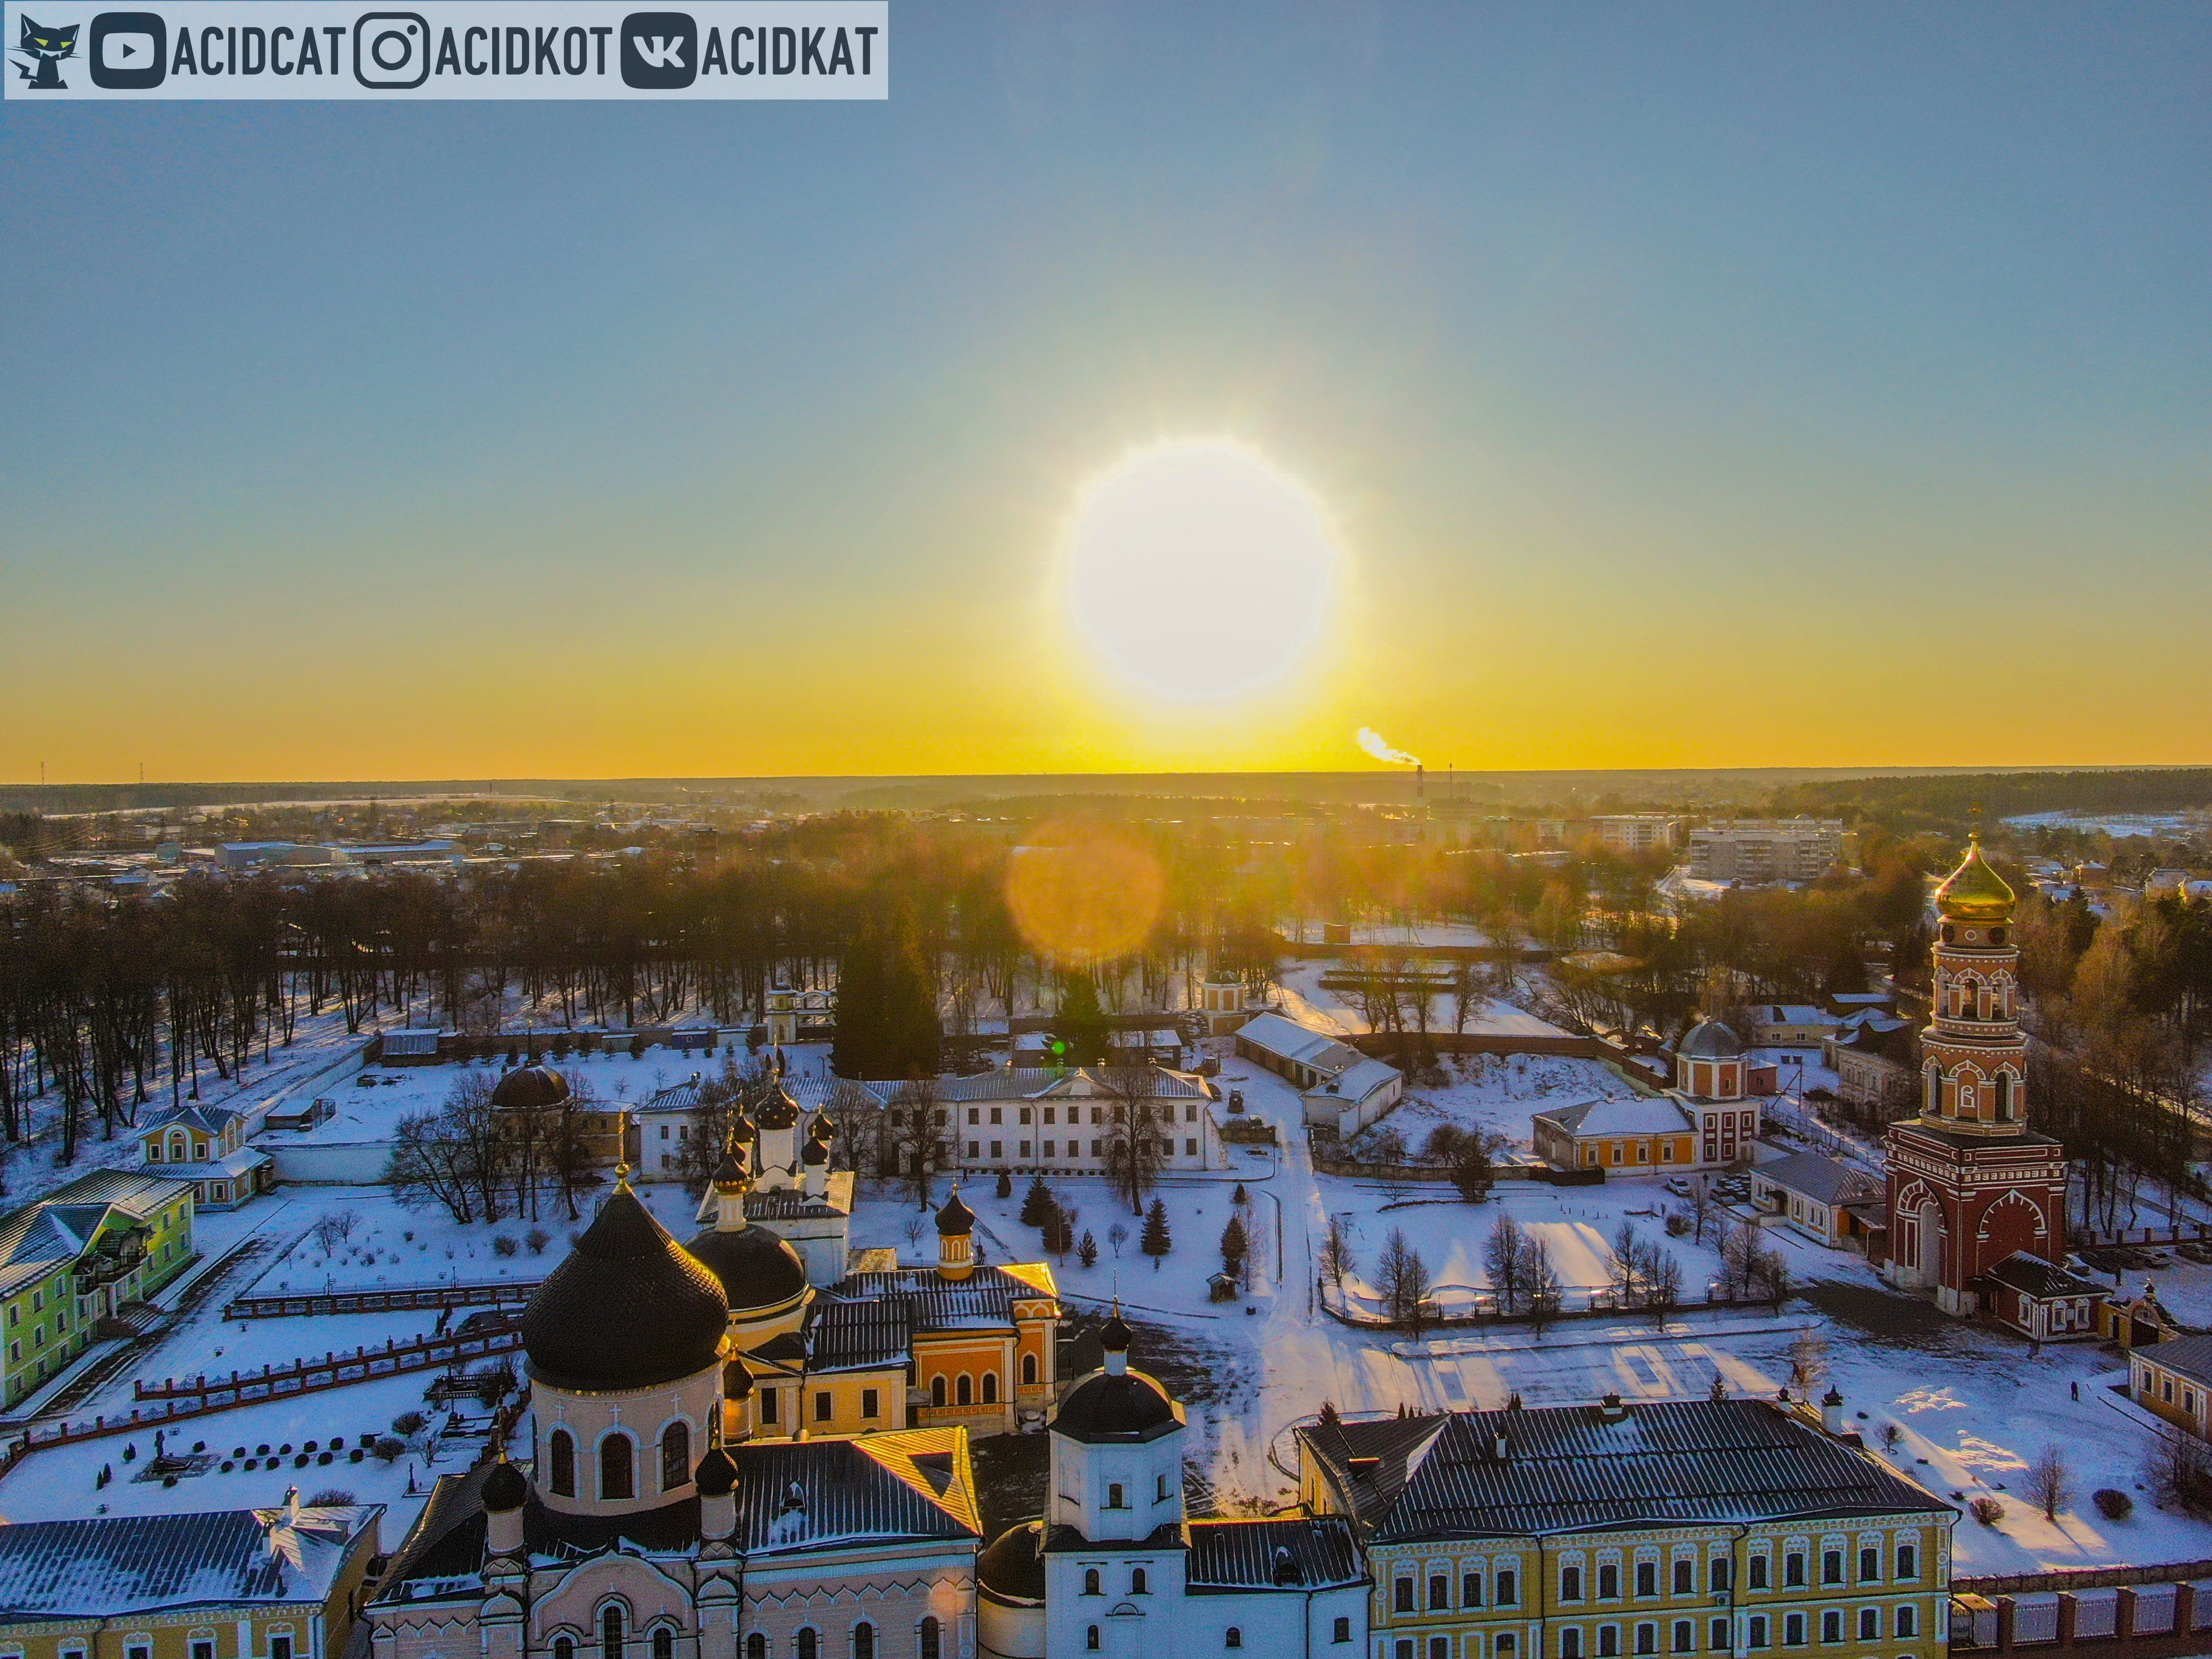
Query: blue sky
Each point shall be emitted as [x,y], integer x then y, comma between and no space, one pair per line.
[1691,385]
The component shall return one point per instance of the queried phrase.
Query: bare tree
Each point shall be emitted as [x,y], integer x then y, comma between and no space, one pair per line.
[1136,1147]
[1403,1280]
[1545,1297]
[1808,1363]
[1505,1258]
[1703,1206]
[1336,1259]
[2050,1482]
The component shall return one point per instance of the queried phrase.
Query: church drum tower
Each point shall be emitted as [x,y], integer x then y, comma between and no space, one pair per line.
[1970,1184]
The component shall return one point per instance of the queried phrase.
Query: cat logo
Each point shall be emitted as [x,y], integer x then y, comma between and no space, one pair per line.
[660,50]
[43,51]
[129,50]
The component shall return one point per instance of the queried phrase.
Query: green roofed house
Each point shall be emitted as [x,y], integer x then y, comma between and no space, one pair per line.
[79,1256]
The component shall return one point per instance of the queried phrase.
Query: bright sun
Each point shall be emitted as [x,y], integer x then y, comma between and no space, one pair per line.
[1199,571]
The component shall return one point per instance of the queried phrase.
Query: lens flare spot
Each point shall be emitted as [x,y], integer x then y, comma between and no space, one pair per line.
[1081,895]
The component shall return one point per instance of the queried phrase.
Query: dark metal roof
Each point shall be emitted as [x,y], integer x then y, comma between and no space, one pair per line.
[530,1088]
[1293,1555]
[119,1563]
[984,1300]
[914,1485]
[2185,1355]
[2032,1276]
[1567,1468]
[628,1309]
[756,1268]
[1371,1461]
[1103,1407]
[1012,1569]
[859,1335]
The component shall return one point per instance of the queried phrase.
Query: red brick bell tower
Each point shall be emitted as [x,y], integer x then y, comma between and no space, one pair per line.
[1969,1183]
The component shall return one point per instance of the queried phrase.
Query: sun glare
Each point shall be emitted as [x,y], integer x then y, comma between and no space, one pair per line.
[1199,571]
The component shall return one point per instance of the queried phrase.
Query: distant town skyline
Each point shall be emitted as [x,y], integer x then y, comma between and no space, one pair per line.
[1681,386]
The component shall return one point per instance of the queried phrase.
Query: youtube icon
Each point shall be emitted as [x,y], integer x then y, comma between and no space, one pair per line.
[129,50]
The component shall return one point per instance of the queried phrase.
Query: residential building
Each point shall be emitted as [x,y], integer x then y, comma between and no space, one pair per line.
[206,1146]
[1790,1025]
[1766,849]
[1636,832]
[278,1584]
[1341,1090]
[1115,1567]
[2173,1379]
[2136,1321]
[79,1256]
[1586,1532]
[1640,1135]
[1969,1185]
[1058,1120]
[1876,1061]
[1823,1198]
[1227,1002]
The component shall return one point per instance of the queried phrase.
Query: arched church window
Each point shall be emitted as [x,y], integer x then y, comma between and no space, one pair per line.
[810,1645]
[1090,1586]
[990,1388]
[1028,1369]
[756,1646]
[2004,1096]
[1138,1583]
[618,1468]
[937,1390]
[564,1647]
[966,1389]
[674,1456]
[933,1638]
[863,1641]
[664,1644]
[610,1634]
[561,1454]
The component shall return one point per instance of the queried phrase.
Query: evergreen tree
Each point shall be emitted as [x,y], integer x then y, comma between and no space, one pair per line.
[1087,1252]
[1036,1202]
[1155,1241]
[859,1050]
[1081,1023]
[1235,1247]
[1005,1188]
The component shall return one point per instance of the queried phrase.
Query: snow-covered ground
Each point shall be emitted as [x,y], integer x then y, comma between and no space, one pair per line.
[1306,999]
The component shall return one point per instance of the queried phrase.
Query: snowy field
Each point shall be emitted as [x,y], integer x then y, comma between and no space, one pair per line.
[1307,1000]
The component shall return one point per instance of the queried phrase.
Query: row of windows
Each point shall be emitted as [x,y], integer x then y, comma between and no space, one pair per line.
[1234,1638]
[1504,1645]
[1506,1590]
[805,1643]
[280,1647]
[1758,1573]
[1145,1115]
[1074,1149]
[1682,1634]
[617,1462]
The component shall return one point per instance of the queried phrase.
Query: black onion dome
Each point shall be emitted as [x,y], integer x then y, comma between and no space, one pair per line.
[1132,1406]
[504,1488]
[737,1381]
[1114,1336]
[630,1309]
[816,1151]
[956,1218]
[731,1171]
[1710,1040]
[779,1110]
[530,1088]
[717,1474]
[754,1268]
[1012,1569]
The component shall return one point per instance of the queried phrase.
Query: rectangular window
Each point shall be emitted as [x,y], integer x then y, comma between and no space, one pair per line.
[1342,1630]
[1608,1641]
[1831,1566]
[1869,1565]
[1908,1561]
[1570,1644]
[998,1115]
[1647,1638]
[1402,1596]
[1758,1572]
[1025,1115]
[1608,1581]
[974,1114]
[1097,1149]
[1908,1622]
[1869,1624]
[974,1149]
[1052,1115]
[1190,1149]
[1793,1571]
[1439,1592]
[1048,1149]
[871,1403]
[1470,1589]
[1571,1584]
[821,1406]
[1686,1637]
[1509,1588]
[1831,1625]
[998,1150]
[1717,1637]
[280,1647]
[768,1405]
[1757,1634]
[1025,1149]
[1685,1577]
[1793,1631]
[1723,1574]
[1647,1578]
[202,1650]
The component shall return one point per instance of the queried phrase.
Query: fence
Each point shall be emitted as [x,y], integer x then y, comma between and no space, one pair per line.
[332,1370]
[2145,1610]
[2182,1232]
[393,1298]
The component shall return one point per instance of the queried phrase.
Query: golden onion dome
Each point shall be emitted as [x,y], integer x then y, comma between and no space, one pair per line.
[1973,891]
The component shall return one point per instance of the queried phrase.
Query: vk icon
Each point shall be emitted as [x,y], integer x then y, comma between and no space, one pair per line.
[660,50]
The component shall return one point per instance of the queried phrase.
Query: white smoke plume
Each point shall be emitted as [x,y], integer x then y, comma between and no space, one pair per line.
[1372,741]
